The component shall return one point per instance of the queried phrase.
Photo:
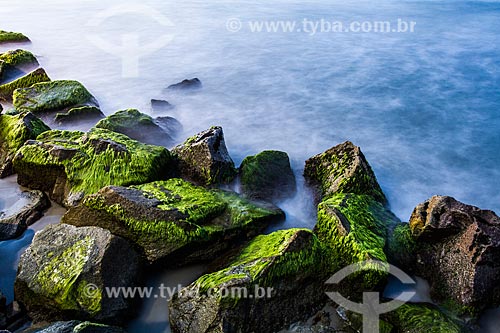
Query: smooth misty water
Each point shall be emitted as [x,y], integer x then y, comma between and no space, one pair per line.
[423,106]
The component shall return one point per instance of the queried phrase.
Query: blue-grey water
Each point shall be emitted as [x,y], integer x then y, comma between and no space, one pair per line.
[424,106]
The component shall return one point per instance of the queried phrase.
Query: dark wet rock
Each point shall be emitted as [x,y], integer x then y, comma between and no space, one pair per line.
[457,248]
[204,159]
[69,165]
[192,84]
[170,125]
[14,220]
[74,326]
[14,132]
[286,265]
[79,114]
[268,176]
[137,126]
[355,228]
[342,169]
[13,317]
[37,76]
[174,220]
[159,105]
[16,63]
[64,272]
[12,37]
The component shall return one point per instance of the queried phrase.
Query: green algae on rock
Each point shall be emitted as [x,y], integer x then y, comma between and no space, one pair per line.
[64,272]
[268,176]
[52,96]
[37,76]
[204,159]
[137,126]
[285,267]
[12,37]
[174,220]
[80,113]
[70,165]
[75,326]
[14,132]
[355,228]
[343,169]
[16,63]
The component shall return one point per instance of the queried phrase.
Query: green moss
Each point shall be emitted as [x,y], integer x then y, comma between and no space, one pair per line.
[15,130]
[268,259]
[422,319]
[18,58]
[90,169]
[37,76]
[123,120]
[52,96]
[11,37]
[355,228]
[58,279]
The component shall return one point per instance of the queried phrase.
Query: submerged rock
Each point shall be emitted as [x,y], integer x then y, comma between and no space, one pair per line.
[159,105]
[14,132]
[14,220]
[174,220]
[75,326]
[204,159]
[282,274]
[37,76]
[192,84]
[69,165]
[342,169]
[137,126]
[64,272]
[457,248]
[268,176]
[12,37]
[170,125]
[355,228]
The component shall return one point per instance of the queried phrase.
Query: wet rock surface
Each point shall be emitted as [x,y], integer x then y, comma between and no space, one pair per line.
[186,85]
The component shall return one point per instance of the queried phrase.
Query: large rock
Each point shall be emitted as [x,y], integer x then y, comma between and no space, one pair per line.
[204,159]
[355,228]
[342,169]
[28,209]
[49,98]
[12,37]
[64,274]
[14,132]
[137,126]
[75,326]
[457,248]
[174,220]
[70,165]
[268,176]
[16,63]
[282,274]
[37,76]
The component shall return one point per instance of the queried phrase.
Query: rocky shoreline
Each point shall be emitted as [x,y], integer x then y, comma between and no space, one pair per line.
[135,202]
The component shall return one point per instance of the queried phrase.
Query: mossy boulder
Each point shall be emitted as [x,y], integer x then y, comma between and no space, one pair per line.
[355,228]
[74,326]
[268,176]
[26,210]
[423,318]
[46,99]
[16,63]
[456,247]
[14,132]
[204,159]
[64,274]
[77,115]
[342,169]
[12,37]
[174,220]
[275,280]
[137,126]
[37,76]
[70,165]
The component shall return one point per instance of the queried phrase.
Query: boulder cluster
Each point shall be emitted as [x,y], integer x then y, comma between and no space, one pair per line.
[135,201]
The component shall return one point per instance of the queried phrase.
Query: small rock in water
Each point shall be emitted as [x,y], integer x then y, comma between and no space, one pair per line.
[192,84]
[158,105]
